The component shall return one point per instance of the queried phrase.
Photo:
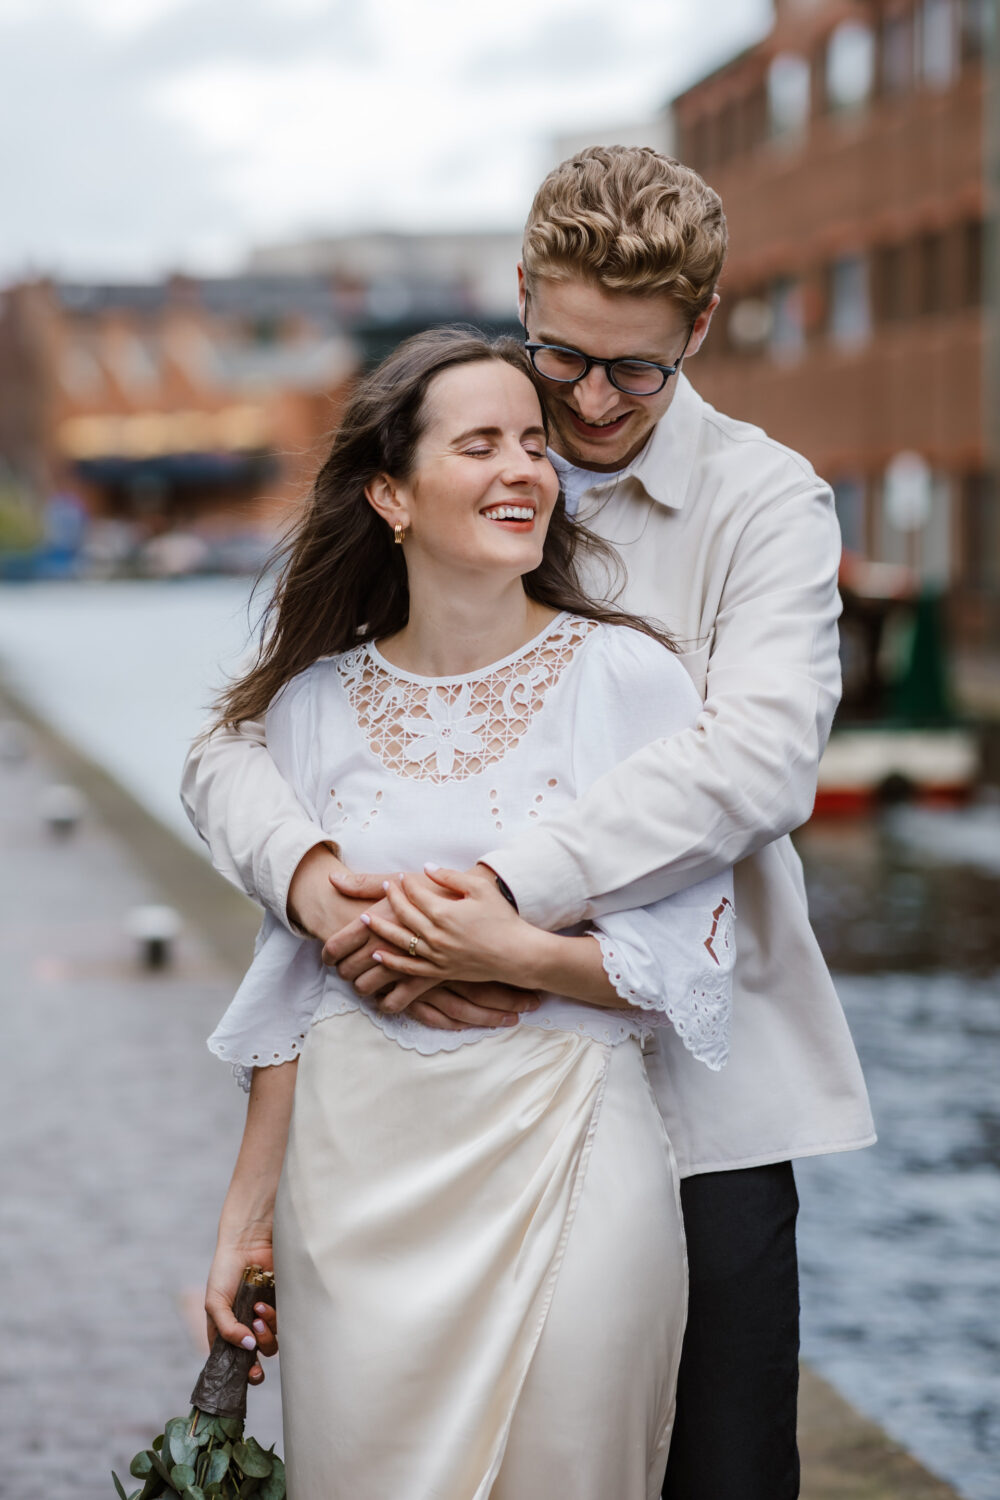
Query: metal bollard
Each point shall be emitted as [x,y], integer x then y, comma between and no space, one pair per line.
[62,807]
[155,929]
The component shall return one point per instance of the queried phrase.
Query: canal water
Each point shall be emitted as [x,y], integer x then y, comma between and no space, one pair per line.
[899,1245]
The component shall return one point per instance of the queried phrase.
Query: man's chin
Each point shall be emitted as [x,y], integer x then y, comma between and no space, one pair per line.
[592,451]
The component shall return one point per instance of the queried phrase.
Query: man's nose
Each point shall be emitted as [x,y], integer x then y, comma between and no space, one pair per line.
[594,394]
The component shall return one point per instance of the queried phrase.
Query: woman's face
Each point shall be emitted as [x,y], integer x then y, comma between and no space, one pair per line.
[482,489]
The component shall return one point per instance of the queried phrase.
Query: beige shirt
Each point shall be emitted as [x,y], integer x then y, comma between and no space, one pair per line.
[731,541]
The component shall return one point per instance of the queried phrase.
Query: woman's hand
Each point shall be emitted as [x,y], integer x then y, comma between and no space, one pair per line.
[224,1278]
[463,926]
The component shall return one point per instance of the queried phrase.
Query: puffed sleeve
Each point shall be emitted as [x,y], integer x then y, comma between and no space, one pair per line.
[268,1019]
[674,958]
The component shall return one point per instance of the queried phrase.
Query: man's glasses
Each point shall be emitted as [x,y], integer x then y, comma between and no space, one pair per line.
[634,377]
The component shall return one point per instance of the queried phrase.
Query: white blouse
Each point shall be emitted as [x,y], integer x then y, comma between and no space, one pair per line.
[401,769]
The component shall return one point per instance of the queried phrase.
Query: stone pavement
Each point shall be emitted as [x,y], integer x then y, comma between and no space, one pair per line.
[120,1134]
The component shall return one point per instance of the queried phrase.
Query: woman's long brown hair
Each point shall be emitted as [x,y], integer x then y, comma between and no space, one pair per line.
[343,581]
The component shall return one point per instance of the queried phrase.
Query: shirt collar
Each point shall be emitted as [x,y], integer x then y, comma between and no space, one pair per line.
[663,466]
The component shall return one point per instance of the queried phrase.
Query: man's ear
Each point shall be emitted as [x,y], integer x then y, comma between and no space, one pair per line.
[383,496]
[700,326]
[522,293]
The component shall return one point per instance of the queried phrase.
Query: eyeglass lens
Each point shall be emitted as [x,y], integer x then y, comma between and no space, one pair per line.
[631,375]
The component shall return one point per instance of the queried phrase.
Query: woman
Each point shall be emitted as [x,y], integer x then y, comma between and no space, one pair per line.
[476,1234]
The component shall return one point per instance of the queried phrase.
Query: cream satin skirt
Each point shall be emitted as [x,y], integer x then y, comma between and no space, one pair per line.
[481,1270]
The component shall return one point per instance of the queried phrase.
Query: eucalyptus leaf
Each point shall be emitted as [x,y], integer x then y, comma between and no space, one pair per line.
[232,1427]
[183,1448]
[141,1465]
[273,1487]
[255,1463]
[181,1475]
[160,1467]
[118,1486]
[218,1463]
[153,1487]
[158,1443]
[194,1492]
[249,1487]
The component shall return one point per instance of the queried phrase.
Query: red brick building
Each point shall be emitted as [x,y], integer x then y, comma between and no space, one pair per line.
[849,148]
[175,401]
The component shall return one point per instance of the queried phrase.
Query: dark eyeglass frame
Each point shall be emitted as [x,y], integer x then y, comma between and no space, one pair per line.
[590,360]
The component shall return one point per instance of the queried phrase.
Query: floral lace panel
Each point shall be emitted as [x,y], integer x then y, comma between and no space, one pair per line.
[433,731]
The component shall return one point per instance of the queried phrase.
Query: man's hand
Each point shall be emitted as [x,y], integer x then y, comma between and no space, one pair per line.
[325,896]
[459,1004]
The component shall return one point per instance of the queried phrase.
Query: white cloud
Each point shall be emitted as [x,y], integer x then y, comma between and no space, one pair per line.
[159,131]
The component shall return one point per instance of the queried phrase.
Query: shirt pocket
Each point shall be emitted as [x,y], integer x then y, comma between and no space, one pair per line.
[695,664]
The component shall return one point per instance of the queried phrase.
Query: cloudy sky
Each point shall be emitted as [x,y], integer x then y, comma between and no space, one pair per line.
[140,135]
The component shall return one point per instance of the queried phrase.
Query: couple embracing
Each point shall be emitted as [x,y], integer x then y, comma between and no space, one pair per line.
[536,1022]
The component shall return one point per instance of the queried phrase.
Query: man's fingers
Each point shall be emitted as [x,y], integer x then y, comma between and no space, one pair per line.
[400,963]
[360,887]
[429,1015]
[451,880]
[494,996]
[355,964]
[346,941]
[373,982]
[466,1012]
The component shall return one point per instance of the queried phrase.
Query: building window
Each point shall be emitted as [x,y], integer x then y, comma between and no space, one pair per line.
[849,497]
[850,307]
[788,95]
[980,534]
[787,327]
[897,53]
[931,282]
[938,42]
[976,23]
[850,66]
[890,284]
[971,289]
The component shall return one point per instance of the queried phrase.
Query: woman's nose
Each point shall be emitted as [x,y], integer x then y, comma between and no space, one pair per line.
[519,466]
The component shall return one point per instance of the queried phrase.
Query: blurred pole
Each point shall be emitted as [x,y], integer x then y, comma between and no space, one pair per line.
[991,289]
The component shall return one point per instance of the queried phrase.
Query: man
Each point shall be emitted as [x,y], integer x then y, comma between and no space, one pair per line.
[731,541]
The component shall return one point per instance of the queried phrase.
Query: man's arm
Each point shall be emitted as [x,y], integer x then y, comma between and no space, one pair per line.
[256,829]
[681,809]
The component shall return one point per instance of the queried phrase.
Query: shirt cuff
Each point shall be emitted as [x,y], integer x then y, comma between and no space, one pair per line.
[545,883]
[286,848]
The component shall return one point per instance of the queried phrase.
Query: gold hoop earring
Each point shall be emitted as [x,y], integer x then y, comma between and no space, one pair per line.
[398,533]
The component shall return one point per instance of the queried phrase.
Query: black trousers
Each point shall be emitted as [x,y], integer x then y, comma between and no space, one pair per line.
[735,1432]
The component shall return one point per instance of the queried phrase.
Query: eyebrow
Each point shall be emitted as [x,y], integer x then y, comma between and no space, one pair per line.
[495,432]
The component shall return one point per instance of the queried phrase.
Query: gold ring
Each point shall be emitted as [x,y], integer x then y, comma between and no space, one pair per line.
[412,949]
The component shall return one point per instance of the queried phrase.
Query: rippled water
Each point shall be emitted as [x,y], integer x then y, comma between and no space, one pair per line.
[900,1245]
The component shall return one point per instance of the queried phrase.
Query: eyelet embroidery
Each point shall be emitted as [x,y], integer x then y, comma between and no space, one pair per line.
[434,731]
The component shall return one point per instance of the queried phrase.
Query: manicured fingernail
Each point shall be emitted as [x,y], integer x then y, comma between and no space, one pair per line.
[509,1021]
[377,957]
[431,865]
[249,1342]
[261,1307]
[258,1326]
[385,885]
[366,919]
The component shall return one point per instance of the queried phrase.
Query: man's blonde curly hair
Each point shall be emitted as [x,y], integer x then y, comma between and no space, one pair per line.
[630,220]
